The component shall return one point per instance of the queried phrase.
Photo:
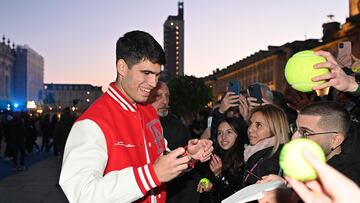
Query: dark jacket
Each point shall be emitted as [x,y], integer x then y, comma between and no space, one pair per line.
[261,164]
[183,188]
[175,132]
[347,165]
[348,162]
[224,185]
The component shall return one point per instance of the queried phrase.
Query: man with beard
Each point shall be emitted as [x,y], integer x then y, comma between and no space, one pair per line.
[181,189]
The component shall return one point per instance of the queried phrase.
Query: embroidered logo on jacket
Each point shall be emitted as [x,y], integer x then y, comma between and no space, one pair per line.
[121,143]
[154,128]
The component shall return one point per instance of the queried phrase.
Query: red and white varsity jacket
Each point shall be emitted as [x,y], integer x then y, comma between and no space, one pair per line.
[110,150]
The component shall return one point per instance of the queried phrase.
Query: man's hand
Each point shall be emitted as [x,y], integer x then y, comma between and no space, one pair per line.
[171,165]
[336,77]
[200,149]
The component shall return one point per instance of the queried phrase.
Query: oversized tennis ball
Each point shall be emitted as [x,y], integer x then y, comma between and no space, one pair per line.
[293,163]
[204,182]
[299,70]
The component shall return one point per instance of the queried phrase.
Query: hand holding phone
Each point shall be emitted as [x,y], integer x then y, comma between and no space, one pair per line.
[234,86]
[254,90]
[344,56]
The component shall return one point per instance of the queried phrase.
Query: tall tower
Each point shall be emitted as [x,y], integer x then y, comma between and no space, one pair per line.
[174,44]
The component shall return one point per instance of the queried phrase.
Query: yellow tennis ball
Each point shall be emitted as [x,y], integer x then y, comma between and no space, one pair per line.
[293,163]
[300,69]
[204,182]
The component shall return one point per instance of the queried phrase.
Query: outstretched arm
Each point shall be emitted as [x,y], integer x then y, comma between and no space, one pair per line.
[200,149]
[336,77]
[331,185]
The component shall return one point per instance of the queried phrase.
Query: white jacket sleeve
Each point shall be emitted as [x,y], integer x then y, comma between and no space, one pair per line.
[84,162]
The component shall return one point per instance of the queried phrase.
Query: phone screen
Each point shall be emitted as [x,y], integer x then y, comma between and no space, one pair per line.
[344,54]
[255,91]
[234,86]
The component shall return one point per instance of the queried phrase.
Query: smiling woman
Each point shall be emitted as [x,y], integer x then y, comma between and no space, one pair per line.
[268,130]
[226,164]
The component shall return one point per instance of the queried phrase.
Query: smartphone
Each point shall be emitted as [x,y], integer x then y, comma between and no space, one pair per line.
[234,86]
[344,56]
[254,90]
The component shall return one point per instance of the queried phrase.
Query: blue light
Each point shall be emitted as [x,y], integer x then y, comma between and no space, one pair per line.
[16,105]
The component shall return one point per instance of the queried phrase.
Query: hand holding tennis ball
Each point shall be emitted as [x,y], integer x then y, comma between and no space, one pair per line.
[300,69]
[292,160]
[204,185]
[204,182]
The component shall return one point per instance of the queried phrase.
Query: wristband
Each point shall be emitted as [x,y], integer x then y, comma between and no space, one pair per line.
[192,162]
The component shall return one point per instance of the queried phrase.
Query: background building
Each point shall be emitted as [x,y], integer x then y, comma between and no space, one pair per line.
[267,66]
[7,61]
[28,76]
[174,45]
[76,96]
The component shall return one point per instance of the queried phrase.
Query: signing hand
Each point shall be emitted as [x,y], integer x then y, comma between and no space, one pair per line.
[169,166]
[200,149]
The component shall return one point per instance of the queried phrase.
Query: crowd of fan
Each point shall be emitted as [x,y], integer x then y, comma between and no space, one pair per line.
[23,133]
[248,137]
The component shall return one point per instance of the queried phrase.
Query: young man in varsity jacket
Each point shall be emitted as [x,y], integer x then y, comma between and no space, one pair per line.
[115,150]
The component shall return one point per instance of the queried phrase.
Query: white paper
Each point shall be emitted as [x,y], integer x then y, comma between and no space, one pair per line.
[253,192]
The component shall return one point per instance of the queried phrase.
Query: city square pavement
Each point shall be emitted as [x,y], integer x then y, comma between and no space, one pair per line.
[35,185]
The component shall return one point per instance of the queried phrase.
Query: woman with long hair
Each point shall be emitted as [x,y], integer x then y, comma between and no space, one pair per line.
[227,161]
[268,130]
